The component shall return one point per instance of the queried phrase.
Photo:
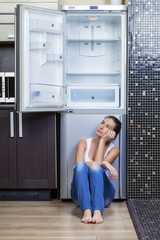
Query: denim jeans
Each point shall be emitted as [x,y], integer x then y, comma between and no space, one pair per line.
[91,188]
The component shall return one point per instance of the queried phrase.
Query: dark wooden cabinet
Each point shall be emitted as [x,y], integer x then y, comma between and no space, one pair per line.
[28,159]
[8,156]
[36,151]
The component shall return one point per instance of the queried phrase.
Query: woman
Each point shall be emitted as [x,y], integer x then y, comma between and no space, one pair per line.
[91,187]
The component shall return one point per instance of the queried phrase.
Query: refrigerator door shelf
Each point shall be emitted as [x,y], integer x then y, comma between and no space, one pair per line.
[54,57]
[93,97]
[46,26]
[47,95]
[39,45]
[44,56]
[51,57]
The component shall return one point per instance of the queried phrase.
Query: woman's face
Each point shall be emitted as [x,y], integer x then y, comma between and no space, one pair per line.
[106,125]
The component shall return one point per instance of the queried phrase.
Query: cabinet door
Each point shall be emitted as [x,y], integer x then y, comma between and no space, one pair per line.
[8,166]
[36,151]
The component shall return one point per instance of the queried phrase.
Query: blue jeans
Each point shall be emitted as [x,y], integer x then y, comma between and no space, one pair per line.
[91,188]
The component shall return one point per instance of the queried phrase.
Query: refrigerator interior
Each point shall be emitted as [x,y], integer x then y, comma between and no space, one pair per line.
[71,60]
[79,126]
[94,60]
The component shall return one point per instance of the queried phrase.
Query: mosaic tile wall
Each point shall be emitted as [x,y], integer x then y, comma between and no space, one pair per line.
[144,99]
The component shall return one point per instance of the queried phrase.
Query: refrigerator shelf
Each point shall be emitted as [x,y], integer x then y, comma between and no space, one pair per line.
[94,40]
[94,74]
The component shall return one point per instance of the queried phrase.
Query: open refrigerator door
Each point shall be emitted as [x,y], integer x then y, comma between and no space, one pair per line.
[40,50]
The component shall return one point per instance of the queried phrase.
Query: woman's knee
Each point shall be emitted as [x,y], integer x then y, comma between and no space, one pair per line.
[80,166]
[97,169]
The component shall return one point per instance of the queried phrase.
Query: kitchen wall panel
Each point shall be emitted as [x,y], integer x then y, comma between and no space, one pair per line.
[86,2]
[143,99]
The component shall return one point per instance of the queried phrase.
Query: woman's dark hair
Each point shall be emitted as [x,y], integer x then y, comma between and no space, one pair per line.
[117,128]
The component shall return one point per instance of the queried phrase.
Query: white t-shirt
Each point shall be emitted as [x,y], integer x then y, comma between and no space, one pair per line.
[87,159]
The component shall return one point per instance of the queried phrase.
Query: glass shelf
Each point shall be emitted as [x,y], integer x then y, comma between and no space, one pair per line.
[94,40]
[94,74]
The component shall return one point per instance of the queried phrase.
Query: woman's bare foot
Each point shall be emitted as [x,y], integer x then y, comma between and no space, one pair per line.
[97,217]
[87,216]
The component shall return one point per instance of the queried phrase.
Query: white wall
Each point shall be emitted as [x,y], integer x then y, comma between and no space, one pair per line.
[86,2]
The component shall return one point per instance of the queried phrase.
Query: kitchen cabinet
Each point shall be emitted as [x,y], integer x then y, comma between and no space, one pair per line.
[7,15]
[28,154]
[36,151]
[8,162]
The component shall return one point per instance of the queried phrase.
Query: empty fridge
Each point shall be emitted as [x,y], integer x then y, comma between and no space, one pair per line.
[74,62]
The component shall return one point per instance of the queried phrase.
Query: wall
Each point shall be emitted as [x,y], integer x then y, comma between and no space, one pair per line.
[143,99]
[86,2]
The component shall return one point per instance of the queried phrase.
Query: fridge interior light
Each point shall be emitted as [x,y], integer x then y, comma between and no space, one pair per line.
[93,18]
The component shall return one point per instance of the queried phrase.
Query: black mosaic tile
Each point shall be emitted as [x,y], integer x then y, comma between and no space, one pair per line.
[145,215]
[143,99]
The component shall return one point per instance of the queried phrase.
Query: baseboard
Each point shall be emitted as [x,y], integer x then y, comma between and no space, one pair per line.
[28,195]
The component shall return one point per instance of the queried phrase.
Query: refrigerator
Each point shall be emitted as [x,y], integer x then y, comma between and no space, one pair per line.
[74,62]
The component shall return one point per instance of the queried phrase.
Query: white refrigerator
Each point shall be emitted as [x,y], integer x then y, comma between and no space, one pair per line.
[74,62]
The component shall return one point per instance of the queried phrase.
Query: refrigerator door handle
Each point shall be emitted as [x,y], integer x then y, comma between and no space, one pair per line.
[11,124]
[20,125]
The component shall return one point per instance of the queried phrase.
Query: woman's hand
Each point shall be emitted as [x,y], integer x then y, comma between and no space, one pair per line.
[109,136]
[92,164]
[113,171]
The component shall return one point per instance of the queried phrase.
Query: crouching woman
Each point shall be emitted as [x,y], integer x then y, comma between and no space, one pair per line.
[91,187]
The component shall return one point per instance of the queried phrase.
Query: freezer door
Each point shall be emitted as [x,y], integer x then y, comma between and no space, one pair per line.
[73,128]
[39,59]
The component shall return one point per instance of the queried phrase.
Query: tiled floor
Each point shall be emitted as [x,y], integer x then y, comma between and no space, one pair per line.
[146,217]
